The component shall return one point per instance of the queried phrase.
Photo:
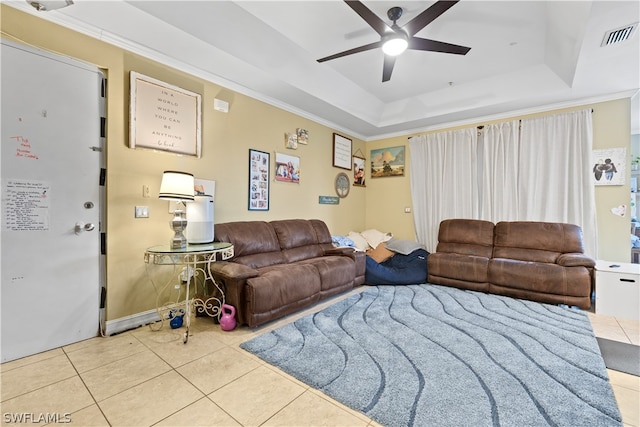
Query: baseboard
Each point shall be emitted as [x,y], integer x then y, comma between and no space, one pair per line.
[133,321]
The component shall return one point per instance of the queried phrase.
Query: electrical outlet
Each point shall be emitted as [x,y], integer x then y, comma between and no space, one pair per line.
[142,212]
[145,191]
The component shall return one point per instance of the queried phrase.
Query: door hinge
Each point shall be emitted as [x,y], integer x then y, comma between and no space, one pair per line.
[103,297]
[103,243]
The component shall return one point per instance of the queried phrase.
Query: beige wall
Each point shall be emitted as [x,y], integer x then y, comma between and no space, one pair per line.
[227,138]
[612,129]
[387,197]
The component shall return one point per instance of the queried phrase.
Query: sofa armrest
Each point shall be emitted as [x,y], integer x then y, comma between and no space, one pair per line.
[232,277]
[232,271]
[575,260]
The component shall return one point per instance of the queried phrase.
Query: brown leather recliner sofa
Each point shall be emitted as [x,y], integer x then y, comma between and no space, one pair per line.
[539,261]
[282,266]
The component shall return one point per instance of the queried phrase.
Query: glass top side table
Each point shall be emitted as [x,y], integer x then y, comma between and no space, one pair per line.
[196,260]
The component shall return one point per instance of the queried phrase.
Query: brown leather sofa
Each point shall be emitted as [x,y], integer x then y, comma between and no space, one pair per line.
[279,267]
[539,261]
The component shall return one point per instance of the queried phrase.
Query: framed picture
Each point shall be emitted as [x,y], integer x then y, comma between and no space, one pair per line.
[303,136]
[287,168]
[164,117]
[359,171]
[291,140]
[341,152]
[609,166]
[259,164]
[387,162]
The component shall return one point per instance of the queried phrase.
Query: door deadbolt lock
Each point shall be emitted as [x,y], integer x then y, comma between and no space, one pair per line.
[88,205]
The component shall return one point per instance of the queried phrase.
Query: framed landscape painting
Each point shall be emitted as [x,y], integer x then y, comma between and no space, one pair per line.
[387,162]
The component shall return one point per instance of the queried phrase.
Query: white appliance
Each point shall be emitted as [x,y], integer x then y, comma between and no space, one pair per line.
[200,220]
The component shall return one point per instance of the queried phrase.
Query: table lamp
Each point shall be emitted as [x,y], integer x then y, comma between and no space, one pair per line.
[177,186]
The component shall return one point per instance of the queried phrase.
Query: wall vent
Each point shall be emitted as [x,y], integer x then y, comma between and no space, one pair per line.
[619,35]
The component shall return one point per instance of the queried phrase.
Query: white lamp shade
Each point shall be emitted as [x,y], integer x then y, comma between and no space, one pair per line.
[176,186]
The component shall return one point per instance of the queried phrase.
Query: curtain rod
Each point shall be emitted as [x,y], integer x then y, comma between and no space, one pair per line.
[480,127]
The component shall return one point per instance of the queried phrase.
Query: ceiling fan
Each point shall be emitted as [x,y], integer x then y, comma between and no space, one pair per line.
[395,39]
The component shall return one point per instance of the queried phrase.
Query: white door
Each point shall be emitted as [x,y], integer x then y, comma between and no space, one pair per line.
[50,238]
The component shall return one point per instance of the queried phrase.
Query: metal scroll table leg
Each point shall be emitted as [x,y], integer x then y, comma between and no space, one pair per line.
[192,264]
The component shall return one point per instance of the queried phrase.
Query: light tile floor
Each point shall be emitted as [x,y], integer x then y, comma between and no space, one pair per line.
[147,378]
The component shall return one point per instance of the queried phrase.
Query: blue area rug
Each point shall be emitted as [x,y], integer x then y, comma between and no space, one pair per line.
[428,355]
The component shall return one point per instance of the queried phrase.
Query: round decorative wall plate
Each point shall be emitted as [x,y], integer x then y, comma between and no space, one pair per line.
[342,185]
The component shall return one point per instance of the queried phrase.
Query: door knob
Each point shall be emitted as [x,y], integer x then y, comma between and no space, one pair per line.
[80,227]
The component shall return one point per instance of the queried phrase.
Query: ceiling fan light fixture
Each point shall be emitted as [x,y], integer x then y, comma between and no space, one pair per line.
[395,44]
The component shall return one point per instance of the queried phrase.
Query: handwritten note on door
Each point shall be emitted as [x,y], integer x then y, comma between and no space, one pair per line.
[24,149]
[25,205]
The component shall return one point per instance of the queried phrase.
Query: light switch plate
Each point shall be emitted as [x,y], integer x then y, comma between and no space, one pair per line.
[142,212]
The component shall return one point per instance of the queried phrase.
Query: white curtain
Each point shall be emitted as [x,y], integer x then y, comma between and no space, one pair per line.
[443,180]
[534,170]
[555,172]
[499,151]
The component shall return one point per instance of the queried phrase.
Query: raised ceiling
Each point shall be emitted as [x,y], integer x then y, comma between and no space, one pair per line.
[525,56]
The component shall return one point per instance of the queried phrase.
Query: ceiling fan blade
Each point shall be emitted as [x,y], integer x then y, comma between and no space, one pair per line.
[387,69]
[425,18]
[371,18]
[417,43]
[352,51]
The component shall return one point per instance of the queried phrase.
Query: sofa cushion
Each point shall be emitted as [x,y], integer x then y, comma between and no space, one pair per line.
[460,267]
[539,277]
[255,243]
[297,239]
[375,237]
[293,233]
[536,241]
[359,241]
[404,247]
[466,237]
[336,272]
[380,253]
[282,285]
[322,232]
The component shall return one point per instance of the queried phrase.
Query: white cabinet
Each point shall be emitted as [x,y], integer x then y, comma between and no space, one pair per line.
[618,289]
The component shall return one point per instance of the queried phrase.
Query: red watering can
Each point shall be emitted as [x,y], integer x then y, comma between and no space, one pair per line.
[228,319]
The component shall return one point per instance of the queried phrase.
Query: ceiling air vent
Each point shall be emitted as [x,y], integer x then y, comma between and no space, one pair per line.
[619,35]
